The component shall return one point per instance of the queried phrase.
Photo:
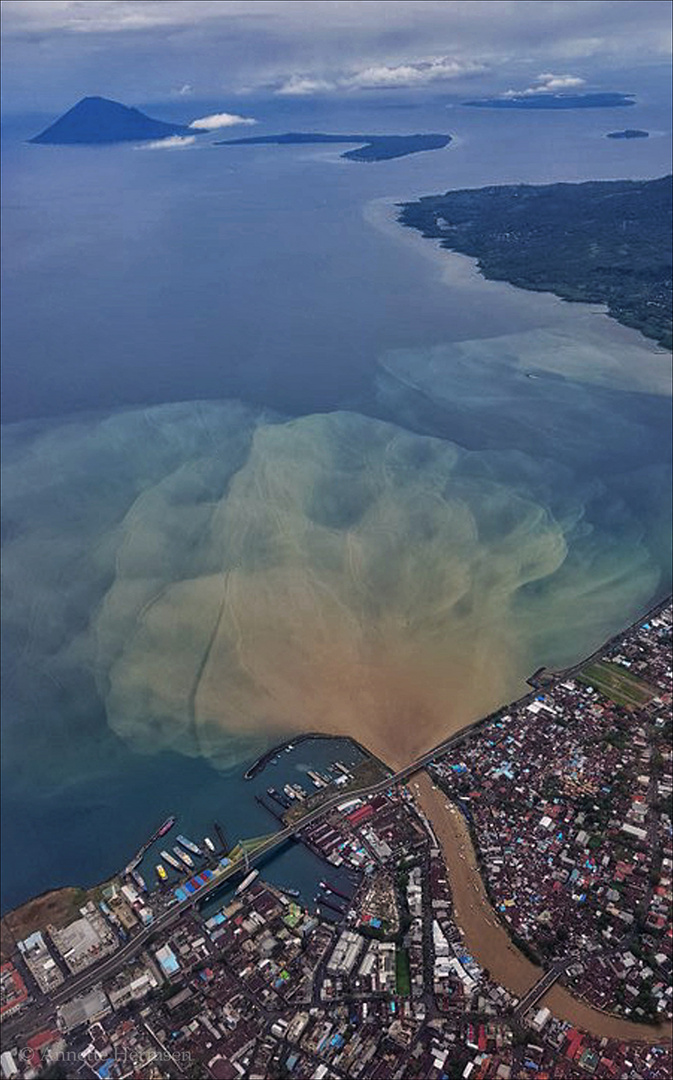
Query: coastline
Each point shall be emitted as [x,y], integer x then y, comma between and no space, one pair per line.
[576,320]
[628,307]
[487,938]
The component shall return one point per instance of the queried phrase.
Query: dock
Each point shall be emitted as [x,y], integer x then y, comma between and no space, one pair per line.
[222,837]
[142,851]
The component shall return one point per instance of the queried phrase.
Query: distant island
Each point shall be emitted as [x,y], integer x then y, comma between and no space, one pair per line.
[602,242]
[373,148]
[628,133]
[96,120]
[555,101]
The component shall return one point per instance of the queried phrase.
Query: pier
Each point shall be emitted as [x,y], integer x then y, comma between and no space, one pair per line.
[142,851]
[222,837]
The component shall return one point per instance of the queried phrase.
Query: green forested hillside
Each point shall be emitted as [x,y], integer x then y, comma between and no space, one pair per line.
[602,242]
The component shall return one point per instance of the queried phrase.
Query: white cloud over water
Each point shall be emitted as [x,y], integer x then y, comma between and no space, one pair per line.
[549,83]
[302,86]
[133,49]
[171,142]
[220,120]
[411,75]
[420,73]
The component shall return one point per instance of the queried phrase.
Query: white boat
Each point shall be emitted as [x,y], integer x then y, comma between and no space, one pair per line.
[246,882]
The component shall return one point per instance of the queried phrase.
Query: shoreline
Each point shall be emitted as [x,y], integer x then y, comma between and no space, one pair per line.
[563,288]
[575,319]
[484,932]
[263,760]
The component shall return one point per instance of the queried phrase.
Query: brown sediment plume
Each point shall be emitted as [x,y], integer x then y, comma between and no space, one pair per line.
[360,581]
[229,576]
[350,577]
[488,941]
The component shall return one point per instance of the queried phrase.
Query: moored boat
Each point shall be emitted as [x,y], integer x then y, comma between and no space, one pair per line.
[246,882]
[166,827]
[167,857]
[189,845]
[184,857]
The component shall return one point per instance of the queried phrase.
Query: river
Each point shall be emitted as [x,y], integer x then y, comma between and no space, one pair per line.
[269,466]
[485,936]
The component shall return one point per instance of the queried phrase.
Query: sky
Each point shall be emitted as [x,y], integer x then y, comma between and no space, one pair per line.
[140,51]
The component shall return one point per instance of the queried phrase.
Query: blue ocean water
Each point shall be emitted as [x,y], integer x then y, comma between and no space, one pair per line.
[276,276]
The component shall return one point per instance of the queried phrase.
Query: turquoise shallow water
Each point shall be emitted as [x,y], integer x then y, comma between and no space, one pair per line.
[400,490]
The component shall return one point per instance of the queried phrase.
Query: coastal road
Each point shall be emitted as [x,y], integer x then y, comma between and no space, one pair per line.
[109,965]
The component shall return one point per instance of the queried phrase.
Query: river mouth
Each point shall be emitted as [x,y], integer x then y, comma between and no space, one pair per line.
[302,483]
[240,576]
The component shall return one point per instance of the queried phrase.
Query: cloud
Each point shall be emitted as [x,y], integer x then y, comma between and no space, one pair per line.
[220,120]
[185,89]
[298,86]
[172,142]
[101,16]
[383,77]
[132,50]
[548,83]
[559,82]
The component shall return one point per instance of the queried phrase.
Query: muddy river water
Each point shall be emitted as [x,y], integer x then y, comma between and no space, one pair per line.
[486,938]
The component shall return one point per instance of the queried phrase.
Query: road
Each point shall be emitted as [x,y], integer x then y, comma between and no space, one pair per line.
[539,990]
[106,967]
[109,965]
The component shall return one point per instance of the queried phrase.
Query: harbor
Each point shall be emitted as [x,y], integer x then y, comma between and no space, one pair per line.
[173,864]
[163,829]
[273,755]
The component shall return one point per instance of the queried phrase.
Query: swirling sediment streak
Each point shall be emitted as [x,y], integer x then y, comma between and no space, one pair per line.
[333,573]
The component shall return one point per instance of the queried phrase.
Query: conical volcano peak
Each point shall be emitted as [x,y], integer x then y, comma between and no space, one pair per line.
[99,120]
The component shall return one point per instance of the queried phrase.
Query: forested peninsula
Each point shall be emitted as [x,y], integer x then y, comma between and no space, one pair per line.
[601,242]
[373,148]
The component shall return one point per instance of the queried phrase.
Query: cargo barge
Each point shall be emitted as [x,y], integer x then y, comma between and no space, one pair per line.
[139,880]
[222,837]
[328,887]
[279,797]
[325,901]
[275,811]
[247,881]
